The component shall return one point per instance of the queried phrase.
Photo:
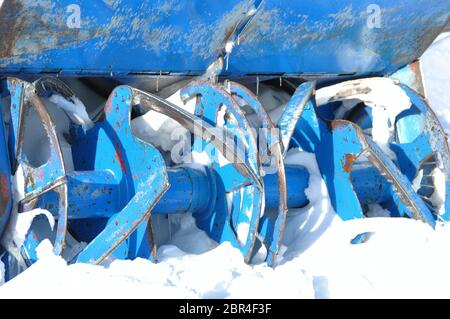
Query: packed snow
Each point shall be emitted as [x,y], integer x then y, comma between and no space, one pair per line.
[75,109]
[436,70]
[382,95]
[402,258]
[159,129]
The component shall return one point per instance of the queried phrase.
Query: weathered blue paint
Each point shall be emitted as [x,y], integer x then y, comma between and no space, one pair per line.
[91,194]
[361,238]
[422,144]
[118,179]
[407,201]
[418,140]
[271,226]
[319,37]
[337,144]
[411,76]
[192,191]
[137,166]
[50,176]
[293,111]
[5,178]
[119,173]
[50,172]
[238,226]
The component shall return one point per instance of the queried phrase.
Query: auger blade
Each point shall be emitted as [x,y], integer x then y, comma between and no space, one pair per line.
[138,168]
[271,227]
[411,135]
[247,199]
[48,177]
[346,143]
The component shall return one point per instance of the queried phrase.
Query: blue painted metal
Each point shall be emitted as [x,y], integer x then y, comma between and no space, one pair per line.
[192,191]
[271,227]
[141,173]
[47,177]
[411,76]
[418,140]
[347,143]
[125,168]
[5,178]
[293,111]
[361,238]
[319,37]
[422,142]
[91,195]
[119,179]
[238,226]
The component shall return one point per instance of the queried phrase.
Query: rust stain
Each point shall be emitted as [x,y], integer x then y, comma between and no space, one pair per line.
[29,179]
[119,158]
[347,165]
[4,193]
[356,90]
[48,31]
[108,104]
[337,124]
[415,68]
[11,27]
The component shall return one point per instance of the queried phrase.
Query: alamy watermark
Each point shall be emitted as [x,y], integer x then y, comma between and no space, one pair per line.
[374,16]
[74,19]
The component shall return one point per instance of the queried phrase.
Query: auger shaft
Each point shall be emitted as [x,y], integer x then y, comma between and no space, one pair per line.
[97,194]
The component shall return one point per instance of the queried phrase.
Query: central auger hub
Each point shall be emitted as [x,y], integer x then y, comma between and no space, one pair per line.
[242,192]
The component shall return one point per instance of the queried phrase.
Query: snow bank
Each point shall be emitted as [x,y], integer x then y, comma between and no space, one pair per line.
[319,261]
[403,258]
[218,273]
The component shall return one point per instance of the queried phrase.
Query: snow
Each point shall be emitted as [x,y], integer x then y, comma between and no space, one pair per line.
[22,222]
[403,258]
[438,197]
[385,98]
[19,224]
[160,130]
[75,110]
[436,70]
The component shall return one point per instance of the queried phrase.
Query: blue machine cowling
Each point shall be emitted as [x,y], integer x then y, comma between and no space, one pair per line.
[322,38]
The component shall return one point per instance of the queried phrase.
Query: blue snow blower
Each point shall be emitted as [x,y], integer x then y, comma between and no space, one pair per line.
[327,55]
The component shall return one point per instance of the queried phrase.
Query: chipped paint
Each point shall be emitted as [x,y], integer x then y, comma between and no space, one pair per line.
[120,159]
[348,162]
[174,36]
[113,4]
[47,24]
[5,195]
